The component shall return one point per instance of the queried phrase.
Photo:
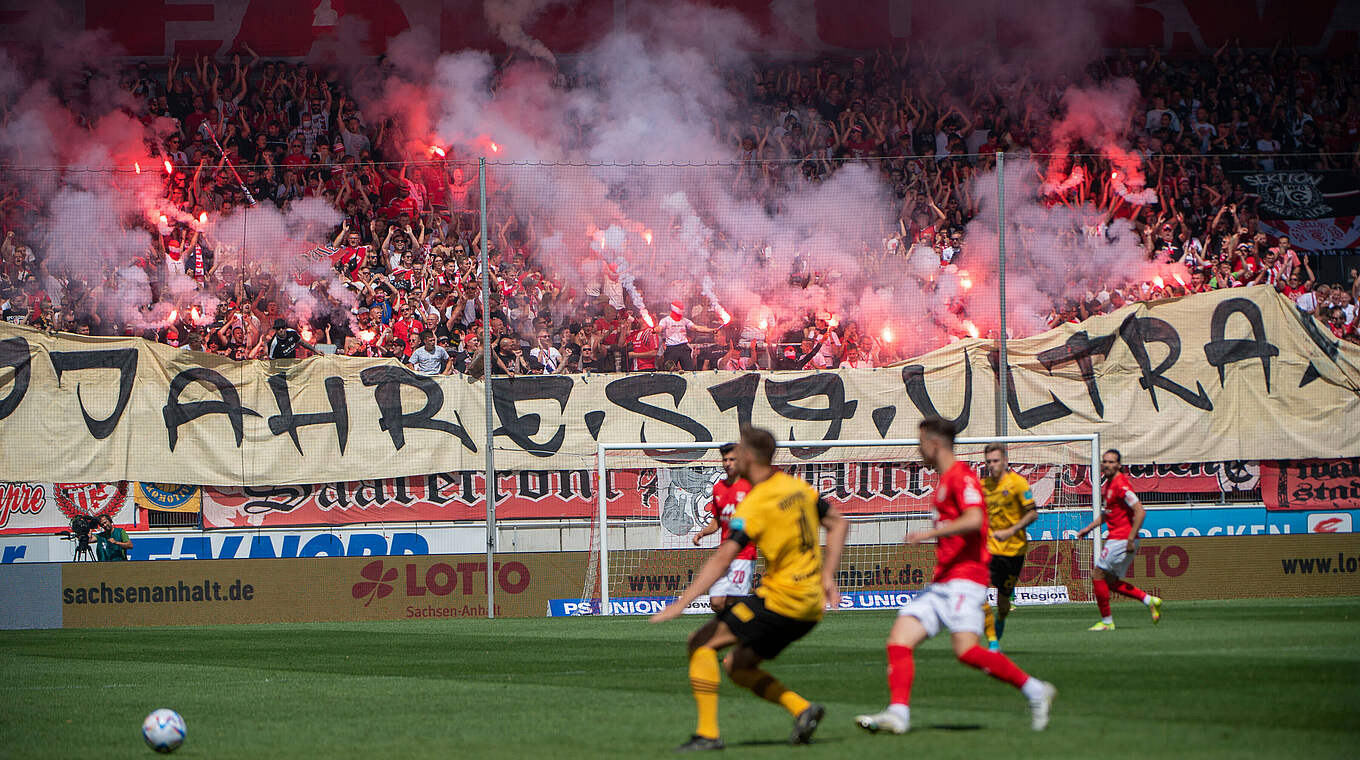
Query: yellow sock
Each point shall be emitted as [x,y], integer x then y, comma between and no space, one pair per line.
[989,615]
[703,679]
[768,688]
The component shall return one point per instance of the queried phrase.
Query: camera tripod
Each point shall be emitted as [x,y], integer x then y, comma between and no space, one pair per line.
[83,552]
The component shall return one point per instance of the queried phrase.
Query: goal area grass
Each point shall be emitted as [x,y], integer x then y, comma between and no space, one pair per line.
[1245,678]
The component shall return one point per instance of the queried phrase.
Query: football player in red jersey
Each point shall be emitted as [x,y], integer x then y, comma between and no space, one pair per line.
[727,494]
[956,595]
[1123,513]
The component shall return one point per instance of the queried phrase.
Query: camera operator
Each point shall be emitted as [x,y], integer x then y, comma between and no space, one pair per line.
[113,542]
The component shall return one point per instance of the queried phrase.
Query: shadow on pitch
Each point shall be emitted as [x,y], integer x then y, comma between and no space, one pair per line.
[952,727]
[780,742]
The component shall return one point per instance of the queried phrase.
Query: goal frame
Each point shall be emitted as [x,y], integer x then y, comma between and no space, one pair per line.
[602,490]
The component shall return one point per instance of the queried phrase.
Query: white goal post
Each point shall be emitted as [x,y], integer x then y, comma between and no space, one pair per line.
[1062,457]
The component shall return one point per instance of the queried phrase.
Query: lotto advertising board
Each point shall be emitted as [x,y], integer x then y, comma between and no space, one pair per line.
[310,590]
[76,595]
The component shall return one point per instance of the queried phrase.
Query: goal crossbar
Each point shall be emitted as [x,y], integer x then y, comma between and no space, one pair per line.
[604,448]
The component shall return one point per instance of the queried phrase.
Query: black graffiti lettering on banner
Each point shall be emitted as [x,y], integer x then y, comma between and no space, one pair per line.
[1138,332]
[738,393]
[914,378]
[387,383]
[122,359]
[281,499]
[176,413]
[828,385]
[1220,352]
[628,392]
[1035,415]
[521,428]
[14,355]
[1080,348]
[287,421]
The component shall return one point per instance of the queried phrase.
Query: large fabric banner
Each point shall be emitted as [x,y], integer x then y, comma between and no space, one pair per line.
[1311,484]
[29,507]
[1220,376]
[678,497]
[1317,211]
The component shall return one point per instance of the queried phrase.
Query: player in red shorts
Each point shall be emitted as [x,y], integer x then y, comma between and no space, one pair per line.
[1123,513]
[727,494]
[955,597]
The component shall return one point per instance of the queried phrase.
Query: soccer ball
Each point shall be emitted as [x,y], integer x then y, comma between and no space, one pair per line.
[163,730]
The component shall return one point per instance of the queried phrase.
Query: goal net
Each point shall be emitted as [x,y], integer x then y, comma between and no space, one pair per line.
[655,500]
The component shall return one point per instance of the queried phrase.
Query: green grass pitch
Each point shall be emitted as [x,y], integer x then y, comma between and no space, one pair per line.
[1259,678]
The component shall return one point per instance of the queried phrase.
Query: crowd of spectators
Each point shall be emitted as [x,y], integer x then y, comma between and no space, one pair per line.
[407,247]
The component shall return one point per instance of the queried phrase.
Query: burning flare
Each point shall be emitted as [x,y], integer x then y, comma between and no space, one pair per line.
[965,280]
[203,218]
[971,328]
[438,151]
[647,318]
[169,168]
[647,235]
[137,167]
[887,334]
[723,315]
[495,148]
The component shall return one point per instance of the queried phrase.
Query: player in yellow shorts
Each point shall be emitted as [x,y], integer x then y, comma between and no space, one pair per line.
[782,516]
[1010,507]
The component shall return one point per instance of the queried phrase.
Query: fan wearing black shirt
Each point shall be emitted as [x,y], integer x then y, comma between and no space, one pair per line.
[282,342]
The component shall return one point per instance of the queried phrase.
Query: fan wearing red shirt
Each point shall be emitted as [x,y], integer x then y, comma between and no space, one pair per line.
[727,494]
[642,347]
[1123,513]
[956,596]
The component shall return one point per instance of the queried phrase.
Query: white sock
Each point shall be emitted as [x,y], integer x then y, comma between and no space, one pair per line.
[1033,688]
[1108,620]
[902,711]
[1147,600]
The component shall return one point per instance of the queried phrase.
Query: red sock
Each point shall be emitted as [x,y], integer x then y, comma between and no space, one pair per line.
[1102,596]
[1128,589]
[901,671]
[994,664]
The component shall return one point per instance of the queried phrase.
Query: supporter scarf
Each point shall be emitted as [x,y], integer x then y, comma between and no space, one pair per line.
[199,272]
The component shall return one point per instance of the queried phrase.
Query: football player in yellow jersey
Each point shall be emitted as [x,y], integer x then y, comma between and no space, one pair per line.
[1010,507]
[781,515]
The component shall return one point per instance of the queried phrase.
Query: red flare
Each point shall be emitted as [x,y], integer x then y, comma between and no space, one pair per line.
[1114,175]
[887,335]
[169,168]
[647,317]
[723,315]
[438,151]
[965,280]
[647,235]
[137,167]
[174,314]
[307,333]
[495,148]
[1158,281]
[203,218]
[195,314]
[832,321]
[764,324]
[367,336]
[1178,279]
[971,328]
[164,220]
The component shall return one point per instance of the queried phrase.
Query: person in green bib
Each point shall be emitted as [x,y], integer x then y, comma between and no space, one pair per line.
[113,542]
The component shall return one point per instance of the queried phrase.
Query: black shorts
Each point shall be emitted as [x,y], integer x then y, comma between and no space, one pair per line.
[766,633]
[1006,573]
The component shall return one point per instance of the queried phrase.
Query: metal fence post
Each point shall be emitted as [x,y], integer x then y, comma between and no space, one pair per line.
[1003,360]
[490,410]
